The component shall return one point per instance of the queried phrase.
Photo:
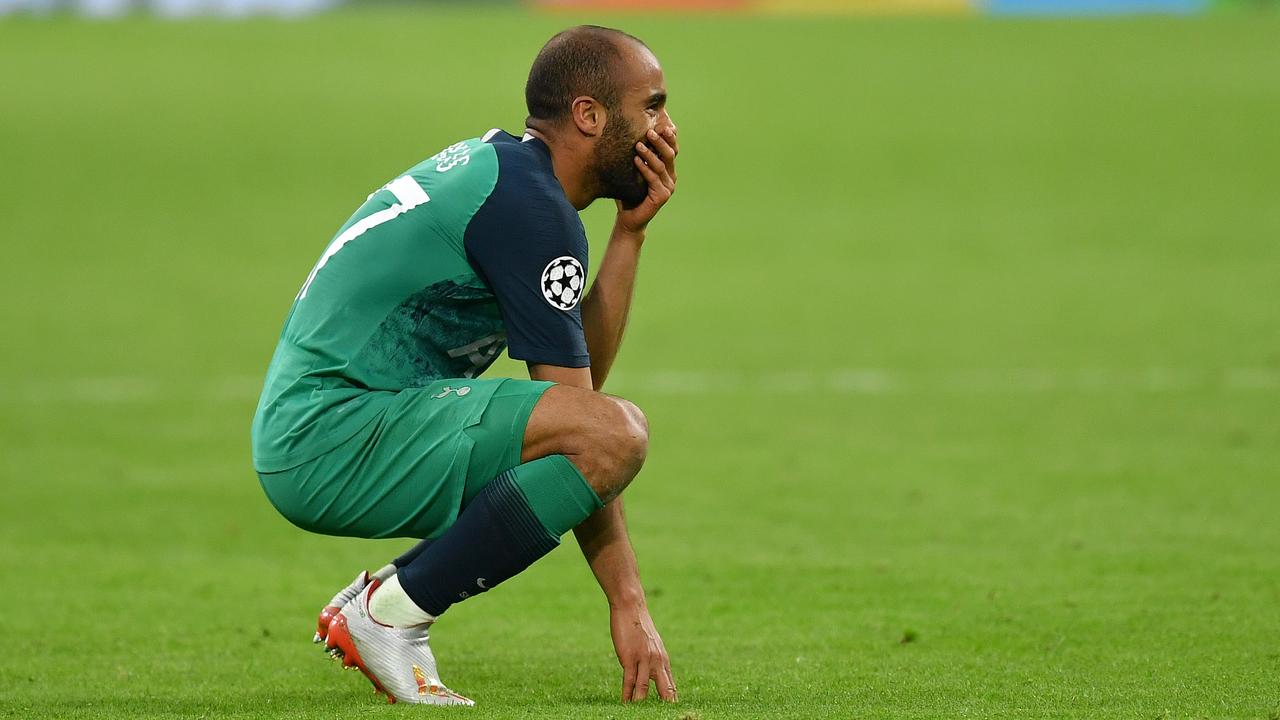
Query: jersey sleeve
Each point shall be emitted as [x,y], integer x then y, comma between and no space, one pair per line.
[531,250]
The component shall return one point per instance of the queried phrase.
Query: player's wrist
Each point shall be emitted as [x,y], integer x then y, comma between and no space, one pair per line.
[627,600]
[626,234]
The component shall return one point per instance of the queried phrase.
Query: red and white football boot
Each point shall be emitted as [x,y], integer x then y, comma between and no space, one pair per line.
[342,598]
[398,661]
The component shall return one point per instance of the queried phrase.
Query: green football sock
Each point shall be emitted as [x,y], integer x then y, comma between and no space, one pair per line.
[557,493]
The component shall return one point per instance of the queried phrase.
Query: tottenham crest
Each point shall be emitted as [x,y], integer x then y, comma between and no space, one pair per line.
[563,282]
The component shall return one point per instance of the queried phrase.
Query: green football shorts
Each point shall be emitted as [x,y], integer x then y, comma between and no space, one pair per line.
[412,469]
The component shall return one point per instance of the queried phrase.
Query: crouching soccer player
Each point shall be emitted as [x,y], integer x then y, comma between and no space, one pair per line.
[373,422]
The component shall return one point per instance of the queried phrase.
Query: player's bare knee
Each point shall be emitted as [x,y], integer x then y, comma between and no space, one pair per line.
[635,428]
[620,447]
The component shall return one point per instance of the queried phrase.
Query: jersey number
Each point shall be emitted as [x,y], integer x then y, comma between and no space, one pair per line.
[480,353]
[409,195]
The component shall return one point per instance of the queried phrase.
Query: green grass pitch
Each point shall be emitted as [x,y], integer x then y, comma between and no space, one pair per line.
[960,345]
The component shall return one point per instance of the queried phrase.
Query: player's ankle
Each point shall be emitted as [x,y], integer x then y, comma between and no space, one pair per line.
[390,605]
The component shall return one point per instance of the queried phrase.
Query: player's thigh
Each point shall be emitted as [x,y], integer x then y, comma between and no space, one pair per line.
[445,442]
[605,437]
[497,438]
[406,473]
[586,426]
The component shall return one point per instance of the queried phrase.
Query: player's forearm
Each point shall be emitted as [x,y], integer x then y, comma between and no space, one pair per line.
[607,306]
[605,545]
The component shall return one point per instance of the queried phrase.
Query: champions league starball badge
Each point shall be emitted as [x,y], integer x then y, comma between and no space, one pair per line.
[563,281]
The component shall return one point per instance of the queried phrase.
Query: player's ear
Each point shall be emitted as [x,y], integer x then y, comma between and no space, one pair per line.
[588,116]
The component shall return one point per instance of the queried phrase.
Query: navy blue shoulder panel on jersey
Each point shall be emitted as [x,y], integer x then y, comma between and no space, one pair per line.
[528,245]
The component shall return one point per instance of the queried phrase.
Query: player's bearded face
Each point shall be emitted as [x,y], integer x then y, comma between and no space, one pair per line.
[615,167]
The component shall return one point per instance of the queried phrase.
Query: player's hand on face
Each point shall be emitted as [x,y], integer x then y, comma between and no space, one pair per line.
[656,160]
[641,654]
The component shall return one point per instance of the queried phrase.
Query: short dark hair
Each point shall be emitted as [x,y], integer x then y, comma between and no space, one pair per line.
[579,61]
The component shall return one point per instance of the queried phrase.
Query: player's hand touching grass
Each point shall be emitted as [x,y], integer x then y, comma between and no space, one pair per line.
[656,160]
[641,654]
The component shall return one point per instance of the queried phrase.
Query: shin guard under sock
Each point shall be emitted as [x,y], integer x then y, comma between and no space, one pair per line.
[516,519]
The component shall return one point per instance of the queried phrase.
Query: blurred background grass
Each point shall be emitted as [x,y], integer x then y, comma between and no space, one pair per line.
[960,332]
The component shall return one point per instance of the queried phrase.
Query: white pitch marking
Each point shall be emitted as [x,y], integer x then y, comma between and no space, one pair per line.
[244,388]
[1252,379]
[861,381]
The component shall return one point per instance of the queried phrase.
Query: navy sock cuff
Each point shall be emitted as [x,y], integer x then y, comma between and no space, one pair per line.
[512,508]
[496,537]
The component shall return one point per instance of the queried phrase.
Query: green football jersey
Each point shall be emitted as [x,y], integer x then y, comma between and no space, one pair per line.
[471,250]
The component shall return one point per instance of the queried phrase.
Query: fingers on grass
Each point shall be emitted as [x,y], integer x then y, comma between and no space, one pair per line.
[642,682]
[666,683]
[628,681]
